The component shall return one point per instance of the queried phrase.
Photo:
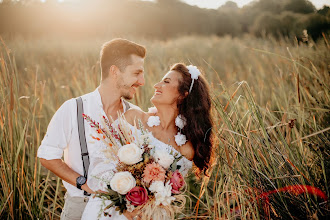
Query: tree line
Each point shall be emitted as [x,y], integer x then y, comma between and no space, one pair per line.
[162,18]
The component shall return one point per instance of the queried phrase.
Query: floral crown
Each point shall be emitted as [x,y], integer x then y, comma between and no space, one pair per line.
[194,73]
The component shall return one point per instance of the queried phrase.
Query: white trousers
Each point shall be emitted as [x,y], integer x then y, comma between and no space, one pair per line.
[73,207]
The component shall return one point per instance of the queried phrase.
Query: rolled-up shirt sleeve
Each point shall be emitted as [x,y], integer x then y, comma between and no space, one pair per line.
[58,133]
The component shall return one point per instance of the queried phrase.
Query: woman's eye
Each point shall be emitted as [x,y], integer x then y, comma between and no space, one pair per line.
[166,81]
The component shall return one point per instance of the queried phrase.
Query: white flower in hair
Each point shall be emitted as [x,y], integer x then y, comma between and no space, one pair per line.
[153,121]
[194,71]
[180,139]
[180,121]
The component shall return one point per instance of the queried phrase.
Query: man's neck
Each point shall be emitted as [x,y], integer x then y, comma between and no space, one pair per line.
[111,100]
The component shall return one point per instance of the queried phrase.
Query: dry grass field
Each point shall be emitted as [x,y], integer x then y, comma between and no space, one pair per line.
[271,108]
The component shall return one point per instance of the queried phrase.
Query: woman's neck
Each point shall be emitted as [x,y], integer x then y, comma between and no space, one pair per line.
[167,117]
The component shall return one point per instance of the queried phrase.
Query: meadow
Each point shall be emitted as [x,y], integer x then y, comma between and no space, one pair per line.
[271,113]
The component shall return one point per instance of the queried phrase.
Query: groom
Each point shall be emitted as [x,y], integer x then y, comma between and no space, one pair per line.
[122,73]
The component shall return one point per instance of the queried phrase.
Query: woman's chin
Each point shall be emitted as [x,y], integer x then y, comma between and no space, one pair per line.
[154,99]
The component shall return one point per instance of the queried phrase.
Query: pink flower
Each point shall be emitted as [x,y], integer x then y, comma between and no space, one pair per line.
[177,182]
[154,172]
[137,196]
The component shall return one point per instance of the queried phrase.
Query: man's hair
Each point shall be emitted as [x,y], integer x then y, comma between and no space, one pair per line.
[118,52]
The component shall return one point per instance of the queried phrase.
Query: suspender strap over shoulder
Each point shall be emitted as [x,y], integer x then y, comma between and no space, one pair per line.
[82,137]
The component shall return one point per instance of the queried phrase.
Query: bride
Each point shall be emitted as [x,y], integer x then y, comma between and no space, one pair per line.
[180,122]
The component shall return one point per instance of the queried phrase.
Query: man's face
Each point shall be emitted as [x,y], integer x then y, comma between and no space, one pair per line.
[131,77]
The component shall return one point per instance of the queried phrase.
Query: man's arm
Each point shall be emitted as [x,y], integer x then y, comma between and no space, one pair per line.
[63,171]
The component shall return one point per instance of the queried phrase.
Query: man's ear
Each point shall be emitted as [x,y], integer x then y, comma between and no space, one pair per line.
[113,71]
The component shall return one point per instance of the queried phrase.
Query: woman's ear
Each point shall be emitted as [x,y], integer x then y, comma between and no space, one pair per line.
[181,98]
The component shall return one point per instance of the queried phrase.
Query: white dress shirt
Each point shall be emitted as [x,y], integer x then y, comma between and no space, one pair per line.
[62,134]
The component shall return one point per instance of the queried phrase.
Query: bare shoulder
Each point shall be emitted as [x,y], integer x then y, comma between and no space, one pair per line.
[134,114]
[187,150]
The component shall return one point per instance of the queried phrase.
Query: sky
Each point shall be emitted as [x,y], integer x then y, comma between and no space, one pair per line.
[216,3]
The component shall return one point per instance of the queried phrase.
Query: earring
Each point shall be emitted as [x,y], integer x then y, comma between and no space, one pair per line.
[180,122]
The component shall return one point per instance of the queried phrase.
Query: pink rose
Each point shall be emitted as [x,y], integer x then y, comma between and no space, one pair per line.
[137,196]
[177,182]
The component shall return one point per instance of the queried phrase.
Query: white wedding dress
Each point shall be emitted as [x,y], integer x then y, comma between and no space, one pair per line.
[102,169]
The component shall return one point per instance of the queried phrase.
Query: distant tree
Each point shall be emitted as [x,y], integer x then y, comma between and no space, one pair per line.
[324,11]
[229,5]
[267,24]
[316,24]
[289,23]
[273,6]
[299,6]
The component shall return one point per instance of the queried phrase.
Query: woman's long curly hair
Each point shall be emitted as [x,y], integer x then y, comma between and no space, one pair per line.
[196,108]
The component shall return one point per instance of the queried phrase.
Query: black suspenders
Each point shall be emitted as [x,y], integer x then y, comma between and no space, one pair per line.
[82,136]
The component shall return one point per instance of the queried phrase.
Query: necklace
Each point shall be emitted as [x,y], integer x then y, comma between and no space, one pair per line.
[180,139]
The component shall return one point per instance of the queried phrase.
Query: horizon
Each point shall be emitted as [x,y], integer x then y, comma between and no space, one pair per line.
[214,4]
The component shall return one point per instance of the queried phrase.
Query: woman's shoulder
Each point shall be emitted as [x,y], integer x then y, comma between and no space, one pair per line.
[134,114]
[187,150]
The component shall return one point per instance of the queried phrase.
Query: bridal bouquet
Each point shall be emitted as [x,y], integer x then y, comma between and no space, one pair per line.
[146,178]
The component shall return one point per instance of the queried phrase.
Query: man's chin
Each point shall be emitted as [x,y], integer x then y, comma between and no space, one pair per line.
[128,96]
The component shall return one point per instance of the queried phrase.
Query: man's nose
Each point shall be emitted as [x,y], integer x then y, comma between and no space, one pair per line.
[141,80]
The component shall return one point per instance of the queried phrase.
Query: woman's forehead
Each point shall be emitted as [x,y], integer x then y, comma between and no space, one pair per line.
[172,75]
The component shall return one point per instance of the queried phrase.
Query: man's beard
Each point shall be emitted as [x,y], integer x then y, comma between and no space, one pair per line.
[125,94]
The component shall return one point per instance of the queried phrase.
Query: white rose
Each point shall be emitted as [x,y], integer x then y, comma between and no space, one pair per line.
[163,158]
[130,154]
[122,182]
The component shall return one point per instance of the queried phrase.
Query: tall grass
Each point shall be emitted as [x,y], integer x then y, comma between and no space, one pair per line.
[271,107]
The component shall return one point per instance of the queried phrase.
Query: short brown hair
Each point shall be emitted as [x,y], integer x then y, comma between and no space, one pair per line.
[117,52]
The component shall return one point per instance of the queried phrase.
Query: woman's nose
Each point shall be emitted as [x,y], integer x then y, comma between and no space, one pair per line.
[156,86]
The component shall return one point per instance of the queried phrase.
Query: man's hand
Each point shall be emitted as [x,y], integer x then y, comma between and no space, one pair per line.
[131,215]
[87,189]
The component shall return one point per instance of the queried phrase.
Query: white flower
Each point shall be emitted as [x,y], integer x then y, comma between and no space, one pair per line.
[156,186]
[152,110]
[194,71]
[162,193]
[153,121]
[122,182]
[130,154]
[163,158]
[180,121]
[180,139]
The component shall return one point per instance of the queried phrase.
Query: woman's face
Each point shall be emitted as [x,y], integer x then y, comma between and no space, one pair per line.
[166,91]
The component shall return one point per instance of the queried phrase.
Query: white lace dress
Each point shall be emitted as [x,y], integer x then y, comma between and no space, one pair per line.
[101,168]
